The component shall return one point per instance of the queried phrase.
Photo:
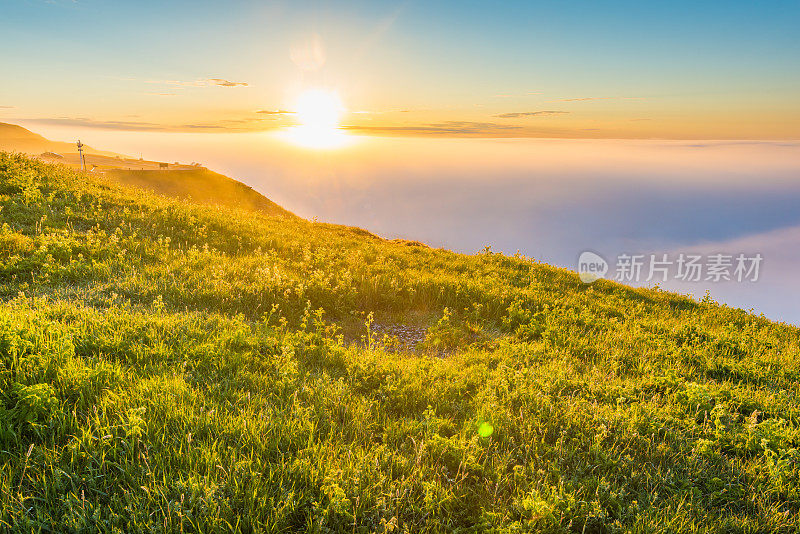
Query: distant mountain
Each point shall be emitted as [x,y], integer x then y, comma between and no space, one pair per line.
[188,182]
[14,138]
[15,132]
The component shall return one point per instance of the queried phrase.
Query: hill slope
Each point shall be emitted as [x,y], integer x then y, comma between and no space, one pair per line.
[170,367]
[12,132]
[15,138]
[200,186]
[188,182]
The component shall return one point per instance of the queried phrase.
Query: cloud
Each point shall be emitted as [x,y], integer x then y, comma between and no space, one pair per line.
[6,107]
[447,127]
[226,83]
[61,3]
[472,126]
[584,99]
[776,290]
[250,124]
[590,98]
[178,83]
[739,142]
[266,120]
[208,82]
[203,126]
[545,129]
[377,112]
[519,114]
[104,125]
[508,95]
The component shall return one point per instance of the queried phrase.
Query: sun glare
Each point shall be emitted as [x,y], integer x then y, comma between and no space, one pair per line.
[319,108]
[319,112]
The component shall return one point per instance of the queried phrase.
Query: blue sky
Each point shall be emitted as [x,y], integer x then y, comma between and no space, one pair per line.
[679,65]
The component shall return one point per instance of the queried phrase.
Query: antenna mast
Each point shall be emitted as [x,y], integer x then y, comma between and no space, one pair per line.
[80,155]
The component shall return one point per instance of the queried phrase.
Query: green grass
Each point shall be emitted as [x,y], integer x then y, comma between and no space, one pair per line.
[170,367]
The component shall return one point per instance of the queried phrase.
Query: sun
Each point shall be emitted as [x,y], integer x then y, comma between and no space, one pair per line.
[319,112]
[319,108]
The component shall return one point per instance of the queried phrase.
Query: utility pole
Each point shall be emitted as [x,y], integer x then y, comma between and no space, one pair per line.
[80,155]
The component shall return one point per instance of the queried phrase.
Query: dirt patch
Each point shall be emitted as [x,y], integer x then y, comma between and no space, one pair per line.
[407,337]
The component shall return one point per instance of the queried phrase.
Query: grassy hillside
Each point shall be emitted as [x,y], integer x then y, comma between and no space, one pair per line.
[186,182]
[200,186]
[169,367]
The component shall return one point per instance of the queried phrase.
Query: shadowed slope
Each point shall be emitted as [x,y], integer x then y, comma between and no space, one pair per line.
[200,186]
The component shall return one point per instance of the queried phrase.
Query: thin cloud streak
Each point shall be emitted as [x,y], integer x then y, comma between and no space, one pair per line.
[448,127]
[227,125]
[529,93]
[103,125]
[591,98]
[208,82]
[518,114]
[226,83]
